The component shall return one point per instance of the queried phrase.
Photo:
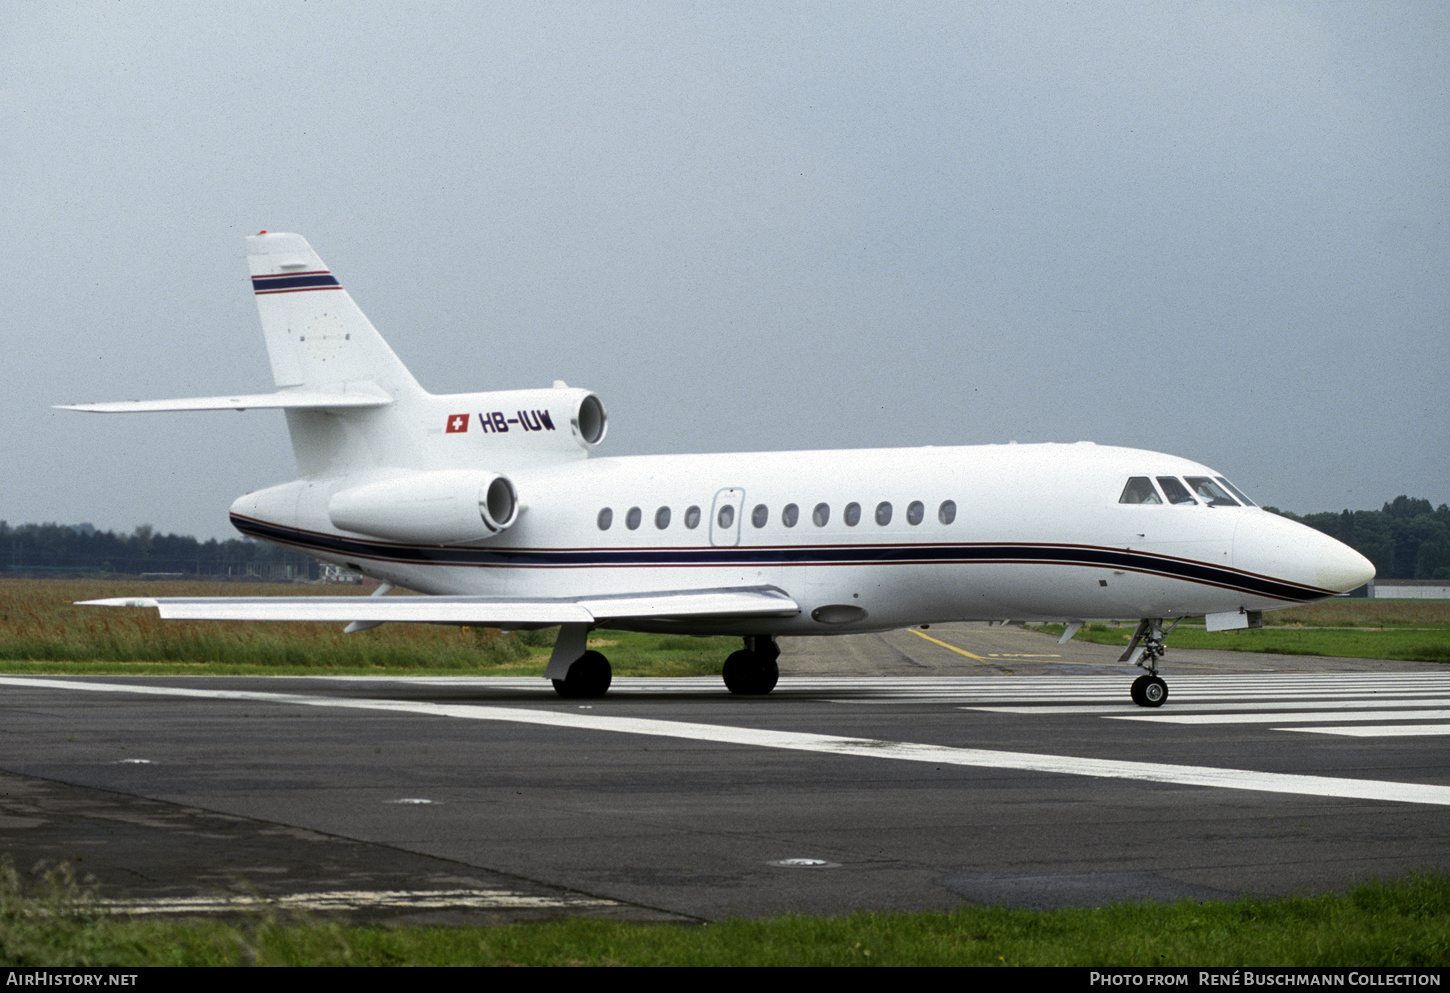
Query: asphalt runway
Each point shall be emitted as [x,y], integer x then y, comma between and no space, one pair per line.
[921,769]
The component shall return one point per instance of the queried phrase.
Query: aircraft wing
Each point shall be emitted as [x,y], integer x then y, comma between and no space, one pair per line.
[763,601]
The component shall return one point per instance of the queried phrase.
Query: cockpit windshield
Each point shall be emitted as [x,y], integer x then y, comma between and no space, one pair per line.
[1212,490]
[1211,493]
[1236,492]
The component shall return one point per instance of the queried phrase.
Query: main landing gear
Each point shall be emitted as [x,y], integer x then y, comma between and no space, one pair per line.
[578,674]
[753,672]
[582,674]
[1145,651]
[588,678]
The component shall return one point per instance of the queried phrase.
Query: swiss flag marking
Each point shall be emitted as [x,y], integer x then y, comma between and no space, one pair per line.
[457,423]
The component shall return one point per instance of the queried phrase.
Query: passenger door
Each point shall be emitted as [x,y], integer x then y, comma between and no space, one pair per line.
[725,517]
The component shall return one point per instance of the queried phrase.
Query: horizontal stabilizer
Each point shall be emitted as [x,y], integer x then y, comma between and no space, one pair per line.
[763,601]
[358,396]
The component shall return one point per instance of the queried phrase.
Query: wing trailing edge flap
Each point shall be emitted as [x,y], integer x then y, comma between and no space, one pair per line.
[764,601]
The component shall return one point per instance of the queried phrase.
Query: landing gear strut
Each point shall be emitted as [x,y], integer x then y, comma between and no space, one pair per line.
[753,672]
[1149,690]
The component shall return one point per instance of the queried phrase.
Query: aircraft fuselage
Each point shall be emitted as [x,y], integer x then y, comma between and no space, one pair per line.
[877,539]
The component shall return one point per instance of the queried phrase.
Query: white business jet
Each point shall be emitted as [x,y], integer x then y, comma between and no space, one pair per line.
[490,504]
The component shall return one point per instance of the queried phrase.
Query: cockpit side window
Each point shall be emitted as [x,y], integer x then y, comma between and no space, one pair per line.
[1140,490]
[1213,494]
[1174,490]
[1236,492]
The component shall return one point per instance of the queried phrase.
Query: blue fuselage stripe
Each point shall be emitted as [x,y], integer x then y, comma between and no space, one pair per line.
[781,555]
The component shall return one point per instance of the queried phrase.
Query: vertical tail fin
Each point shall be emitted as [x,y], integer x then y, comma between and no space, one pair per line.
[317,338]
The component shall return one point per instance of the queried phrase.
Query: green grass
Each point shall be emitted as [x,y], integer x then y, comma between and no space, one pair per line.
[1406,923]
[1412,646]
[1363,613]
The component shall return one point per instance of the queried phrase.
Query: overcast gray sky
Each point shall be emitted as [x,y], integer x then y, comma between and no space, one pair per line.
[1217,230]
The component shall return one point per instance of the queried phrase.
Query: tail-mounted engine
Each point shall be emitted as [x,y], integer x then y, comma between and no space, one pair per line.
[514,424]
[444,507]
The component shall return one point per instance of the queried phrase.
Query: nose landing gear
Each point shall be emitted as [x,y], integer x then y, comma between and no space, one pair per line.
[1149,691]
[1145,650]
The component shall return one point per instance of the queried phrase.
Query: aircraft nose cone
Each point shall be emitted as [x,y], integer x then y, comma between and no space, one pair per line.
[1279,548]
[1341,569]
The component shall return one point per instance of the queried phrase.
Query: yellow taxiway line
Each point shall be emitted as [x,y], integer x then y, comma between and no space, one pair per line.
[954,648]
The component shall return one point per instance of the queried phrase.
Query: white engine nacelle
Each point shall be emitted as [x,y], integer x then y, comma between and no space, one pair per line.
[446,507]
[503,427]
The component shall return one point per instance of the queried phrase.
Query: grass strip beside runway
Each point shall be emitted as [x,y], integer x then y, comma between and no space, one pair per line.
[1404,923]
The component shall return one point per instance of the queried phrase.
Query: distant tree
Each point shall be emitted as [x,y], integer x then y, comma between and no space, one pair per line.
[44,549]
[1406,508]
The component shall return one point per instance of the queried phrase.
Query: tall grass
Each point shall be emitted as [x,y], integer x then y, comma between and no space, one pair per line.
[1354,612]
[39,622]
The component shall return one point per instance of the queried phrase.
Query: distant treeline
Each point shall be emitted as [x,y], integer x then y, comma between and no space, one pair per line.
[68,549]
[1407,539]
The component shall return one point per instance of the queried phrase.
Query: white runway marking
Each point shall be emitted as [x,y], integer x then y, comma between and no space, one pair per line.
[1270,715]
[1239,779]
[335,900]
[1380,730]
[1398,700]
[1352,700]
